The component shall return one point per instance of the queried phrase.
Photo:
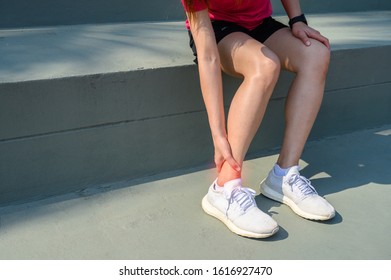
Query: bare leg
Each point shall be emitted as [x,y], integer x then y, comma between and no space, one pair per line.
[305,95]
[243,56]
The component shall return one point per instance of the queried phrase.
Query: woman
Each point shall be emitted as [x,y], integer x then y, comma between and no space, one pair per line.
[240,38]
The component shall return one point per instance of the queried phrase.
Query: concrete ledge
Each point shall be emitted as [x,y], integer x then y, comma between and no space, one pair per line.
[81,50]
[103,103]
[22,13]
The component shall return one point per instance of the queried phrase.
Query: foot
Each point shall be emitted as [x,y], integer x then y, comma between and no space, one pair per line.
[235,206]
[297,192]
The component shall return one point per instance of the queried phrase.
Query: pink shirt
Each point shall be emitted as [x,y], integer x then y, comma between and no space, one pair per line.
[247,13]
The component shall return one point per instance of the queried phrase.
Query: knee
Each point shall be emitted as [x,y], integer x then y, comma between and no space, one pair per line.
[322,60]
[264,70]
[316,59]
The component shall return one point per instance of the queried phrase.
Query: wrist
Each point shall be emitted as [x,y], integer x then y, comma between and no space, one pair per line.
[300,18]
[218,136]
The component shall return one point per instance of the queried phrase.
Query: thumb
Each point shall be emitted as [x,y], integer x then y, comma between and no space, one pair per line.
[219,166]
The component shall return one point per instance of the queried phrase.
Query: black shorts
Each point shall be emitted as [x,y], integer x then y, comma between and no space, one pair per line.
[223,28]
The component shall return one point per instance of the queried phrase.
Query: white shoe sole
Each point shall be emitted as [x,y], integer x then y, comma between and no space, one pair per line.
[211,210]
[272,194]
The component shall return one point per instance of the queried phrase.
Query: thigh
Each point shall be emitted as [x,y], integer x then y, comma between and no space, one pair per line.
[291,51]
[242,55]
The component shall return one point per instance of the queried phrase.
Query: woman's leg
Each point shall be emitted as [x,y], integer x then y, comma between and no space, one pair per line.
[310,63]
[243,56]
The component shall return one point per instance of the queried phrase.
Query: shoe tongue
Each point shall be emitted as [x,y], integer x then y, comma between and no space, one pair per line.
[292,171]
[230,185]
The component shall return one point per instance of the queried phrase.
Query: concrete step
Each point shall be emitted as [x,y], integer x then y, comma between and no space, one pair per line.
[91,105]
[22,13]
[161,218]
[54,52]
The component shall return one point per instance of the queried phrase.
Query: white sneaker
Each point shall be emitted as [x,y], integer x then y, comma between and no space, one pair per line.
[297,192]
[235,206]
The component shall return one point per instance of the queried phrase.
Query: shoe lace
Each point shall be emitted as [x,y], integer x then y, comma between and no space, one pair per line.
[302,183]
[243,196]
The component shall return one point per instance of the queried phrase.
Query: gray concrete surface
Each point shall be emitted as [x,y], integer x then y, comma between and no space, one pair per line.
[22,13]
[80,50]
[83,106]
[161,217]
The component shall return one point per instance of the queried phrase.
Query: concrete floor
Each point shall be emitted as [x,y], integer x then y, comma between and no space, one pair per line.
[161,217]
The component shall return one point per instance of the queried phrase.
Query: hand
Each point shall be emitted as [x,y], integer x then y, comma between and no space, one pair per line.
[304,33]
[223,154]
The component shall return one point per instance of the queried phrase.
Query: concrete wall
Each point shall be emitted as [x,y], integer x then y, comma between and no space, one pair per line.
[336,6]
[67,134]
[28,13]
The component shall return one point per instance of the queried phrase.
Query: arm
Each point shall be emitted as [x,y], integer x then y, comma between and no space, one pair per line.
[211,85]
[300,29]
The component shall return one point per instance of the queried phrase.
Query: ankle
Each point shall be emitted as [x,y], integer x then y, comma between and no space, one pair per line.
[227,174]
[280,171]
[221,181]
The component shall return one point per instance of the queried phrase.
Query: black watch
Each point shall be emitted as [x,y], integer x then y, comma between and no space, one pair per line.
[300,18]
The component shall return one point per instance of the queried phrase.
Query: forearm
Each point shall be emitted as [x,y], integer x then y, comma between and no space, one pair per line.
[212,92]
[292,7]
[209,71]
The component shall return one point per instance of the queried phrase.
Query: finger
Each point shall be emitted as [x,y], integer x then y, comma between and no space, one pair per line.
[219,163]
[232,162]
[219,166]
[303,37]
[320,38]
